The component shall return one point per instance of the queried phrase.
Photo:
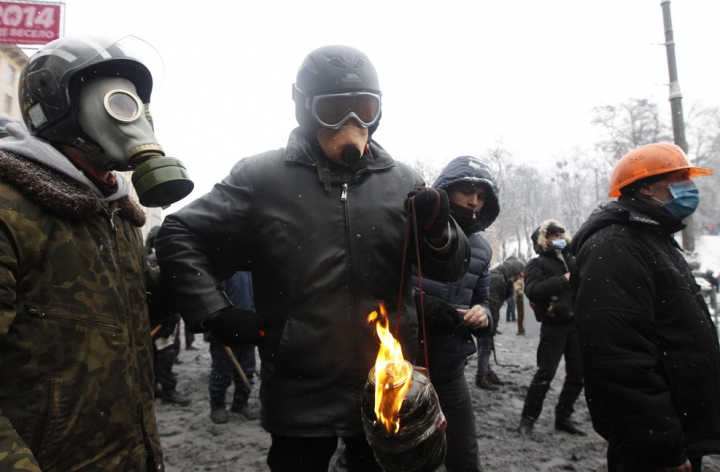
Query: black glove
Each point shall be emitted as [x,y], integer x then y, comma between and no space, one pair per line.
[438,313]
[432,210]
[234,327]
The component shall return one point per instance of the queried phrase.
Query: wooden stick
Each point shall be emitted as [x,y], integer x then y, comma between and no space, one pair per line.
[238,368]
[155,330]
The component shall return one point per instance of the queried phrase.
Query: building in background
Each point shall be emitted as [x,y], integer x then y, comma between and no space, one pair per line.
[12,62]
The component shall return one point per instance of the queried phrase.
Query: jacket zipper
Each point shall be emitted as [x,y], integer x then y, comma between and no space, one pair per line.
[111,218]
[129,320]
[353,304]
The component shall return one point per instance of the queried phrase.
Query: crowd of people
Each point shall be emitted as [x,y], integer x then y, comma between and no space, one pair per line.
[290,253]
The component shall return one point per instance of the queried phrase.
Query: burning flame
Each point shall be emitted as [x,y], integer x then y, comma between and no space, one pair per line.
[392,374]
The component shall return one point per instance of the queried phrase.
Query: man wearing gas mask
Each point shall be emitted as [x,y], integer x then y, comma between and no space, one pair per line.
[76,378]
[321,225]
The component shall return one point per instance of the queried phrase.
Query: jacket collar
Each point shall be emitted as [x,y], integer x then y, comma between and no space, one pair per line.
[628,211]
[58,193]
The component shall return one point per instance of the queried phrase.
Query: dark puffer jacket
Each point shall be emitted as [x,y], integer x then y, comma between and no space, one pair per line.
[546,287]
[449,349]
[649,347]
[502,285]
[321,257]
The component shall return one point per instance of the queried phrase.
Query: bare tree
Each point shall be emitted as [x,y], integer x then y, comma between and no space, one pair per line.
[428,168]
[703,130]
[703,137]
[627,126]
[535,203]
[501,162]
[575,183]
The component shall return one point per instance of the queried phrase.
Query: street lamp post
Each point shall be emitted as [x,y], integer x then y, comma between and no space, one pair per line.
[678,122]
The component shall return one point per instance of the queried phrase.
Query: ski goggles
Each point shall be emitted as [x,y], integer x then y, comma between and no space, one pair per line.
[333,111]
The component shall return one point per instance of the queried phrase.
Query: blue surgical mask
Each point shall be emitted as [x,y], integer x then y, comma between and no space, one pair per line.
[686,198]
[559,243]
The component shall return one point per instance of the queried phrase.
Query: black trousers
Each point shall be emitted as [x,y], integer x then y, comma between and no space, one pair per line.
[462,446]
[300,454]
[164,360]
[556,340]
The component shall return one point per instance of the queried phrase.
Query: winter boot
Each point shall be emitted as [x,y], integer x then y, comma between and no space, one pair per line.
[240,406]
[526,427]
[494,379]
[569,426]
[486,384]
[218,413]
[173,397]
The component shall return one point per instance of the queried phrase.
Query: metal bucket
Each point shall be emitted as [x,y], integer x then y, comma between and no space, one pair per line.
[419,445]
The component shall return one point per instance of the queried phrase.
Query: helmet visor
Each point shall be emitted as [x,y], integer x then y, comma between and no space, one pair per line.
[333,111]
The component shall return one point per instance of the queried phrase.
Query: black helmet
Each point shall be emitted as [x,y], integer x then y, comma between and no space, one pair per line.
[49,83]
[331,70]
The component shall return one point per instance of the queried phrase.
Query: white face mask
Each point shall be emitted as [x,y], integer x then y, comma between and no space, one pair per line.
[559,244]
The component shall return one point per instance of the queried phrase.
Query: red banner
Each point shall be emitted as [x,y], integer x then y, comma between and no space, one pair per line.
[29,22]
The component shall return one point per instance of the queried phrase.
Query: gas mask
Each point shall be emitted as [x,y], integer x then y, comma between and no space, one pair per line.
[119,124]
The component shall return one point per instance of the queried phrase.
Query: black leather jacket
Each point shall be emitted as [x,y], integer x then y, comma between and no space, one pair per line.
[321,257]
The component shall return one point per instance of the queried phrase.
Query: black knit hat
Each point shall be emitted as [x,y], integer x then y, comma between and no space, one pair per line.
[554,229]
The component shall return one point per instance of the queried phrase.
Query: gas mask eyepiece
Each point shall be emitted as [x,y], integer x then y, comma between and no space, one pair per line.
[123,105]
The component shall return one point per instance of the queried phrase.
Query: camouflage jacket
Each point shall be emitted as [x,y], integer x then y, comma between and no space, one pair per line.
[76,380]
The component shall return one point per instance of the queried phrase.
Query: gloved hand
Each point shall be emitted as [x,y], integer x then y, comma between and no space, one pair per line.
[432,210]
[439,314]
[234,327]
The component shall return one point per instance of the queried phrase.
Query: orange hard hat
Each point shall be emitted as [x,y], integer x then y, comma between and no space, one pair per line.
[649,160]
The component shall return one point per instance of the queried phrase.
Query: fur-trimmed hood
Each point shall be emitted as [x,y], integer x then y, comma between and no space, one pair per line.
[539,236]
[48,178]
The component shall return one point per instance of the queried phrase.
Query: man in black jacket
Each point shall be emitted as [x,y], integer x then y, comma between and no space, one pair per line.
[649,347]
[321,225]
[547,286]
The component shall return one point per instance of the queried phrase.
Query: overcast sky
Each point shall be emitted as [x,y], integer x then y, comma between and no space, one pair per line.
[458,77]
